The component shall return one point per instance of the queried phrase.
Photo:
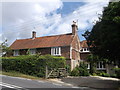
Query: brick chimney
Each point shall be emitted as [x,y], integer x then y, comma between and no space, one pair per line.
[33,35]
[74,28]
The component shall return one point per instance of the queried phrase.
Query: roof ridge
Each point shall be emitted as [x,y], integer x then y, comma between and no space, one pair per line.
[46,36]
[83,40]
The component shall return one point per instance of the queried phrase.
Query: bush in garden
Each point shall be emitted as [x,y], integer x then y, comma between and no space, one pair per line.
[68,69]
[80,70]
[104,74]
[75,72]
[117,72]
[83,71]
[113,75]
[32,64]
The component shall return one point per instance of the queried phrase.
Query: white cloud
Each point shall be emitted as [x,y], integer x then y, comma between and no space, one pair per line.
[20,18]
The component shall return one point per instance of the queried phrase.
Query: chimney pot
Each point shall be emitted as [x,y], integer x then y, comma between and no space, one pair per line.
[33,35]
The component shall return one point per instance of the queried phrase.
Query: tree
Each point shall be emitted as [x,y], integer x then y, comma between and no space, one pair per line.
[5,50]
[104,38]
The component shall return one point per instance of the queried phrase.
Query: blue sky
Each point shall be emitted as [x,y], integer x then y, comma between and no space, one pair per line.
[48,18]
[69,7]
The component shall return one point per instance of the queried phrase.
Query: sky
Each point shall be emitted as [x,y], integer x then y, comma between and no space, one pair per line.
[19,19]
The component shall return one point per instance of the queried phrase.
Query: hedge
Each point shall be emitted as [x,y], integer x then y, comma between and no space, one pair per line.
[32,64]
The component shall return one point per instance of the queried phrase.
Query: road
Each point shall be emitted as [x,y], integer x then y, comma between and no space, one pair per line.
[14,83]
[96,82]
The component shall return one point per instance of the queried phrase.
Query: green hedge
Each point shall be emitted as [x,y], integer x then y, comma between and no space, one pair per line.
[32,64]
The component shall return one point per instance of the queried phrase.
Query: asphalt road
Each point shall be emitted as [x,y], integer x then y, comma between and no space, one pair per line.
[13,83]
[96,82]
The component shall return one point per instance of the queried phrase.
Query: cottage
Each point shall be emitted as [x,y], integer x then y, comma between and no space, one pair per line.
[100,66]
[66,45]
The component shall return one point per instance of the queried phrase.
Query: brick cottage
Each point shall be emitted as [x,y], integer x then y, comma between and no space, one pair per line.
[66,45]
[100,65]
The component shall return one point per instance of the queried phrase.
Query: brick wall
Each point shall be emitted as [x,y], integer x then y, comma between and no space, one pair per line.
[84,56]
[23,52]
[75,48]
[65,51]
[44,51]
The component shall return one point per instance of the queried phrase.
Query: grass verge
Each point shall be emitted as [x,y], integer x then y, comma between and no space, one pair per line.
[18,74]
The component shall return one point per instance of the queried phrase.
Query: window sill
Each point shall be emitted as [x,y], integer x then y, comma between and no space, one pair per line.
[57,55]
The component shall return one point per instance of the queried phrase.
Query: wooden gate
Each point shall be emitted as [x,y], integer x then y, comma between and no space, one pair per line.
[56,73]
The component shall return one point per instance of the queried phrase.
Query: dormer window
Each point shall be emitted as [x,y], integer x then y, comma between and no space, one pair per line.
[84,50]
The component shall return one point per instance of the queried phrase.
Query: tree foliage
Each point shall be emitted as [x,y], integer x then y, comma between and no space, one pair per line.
[5,49]
[105,35]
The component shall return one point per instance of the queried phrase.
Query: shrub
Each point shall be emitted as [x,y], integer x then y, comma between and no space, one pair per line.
[80,70]
[32,64]
[104,74]
[117,72]
[83,71]
[113,75]
[94,74]
[75,72]
[68,69]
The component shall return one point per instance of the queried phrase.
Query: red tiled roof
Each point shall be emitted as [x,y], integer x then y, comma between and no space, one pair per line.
[83,43]
[41,42]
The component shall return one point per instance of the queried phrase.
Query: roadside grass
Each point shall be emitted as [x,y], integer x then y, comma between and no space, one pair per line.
[18,74]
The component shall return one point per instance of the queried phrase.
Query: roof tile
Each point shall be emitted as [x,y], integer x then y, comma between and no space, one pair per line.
[41,42]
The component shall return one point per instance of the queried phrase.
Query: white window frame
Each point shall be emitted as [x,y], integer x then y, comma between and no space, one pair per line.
[100,65]
[88,65]
[85,50]
[32,51]
[56,51]
[16,53]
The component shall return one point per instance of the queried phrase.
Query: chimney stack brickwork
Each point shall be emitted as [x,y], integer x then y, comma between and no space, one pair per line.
[74,28]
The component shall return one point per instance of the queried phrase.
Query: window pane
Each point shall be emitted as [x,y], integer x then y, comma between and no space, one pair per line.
[103,64]
[54,50]
[100,64]
[81,49]
[97,64]
[84,49]
[88,66]
[57,50]
[87,49]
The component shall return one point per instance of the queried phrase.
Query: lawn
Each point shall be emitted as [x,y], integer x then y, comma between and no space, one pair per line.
[18,74]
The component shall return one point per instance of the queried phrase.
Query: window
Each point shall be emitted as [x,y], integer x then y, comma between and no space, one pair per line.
[84,50]
[16,52]
[32,51]
[88,66]
[100,65]
[55,51]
